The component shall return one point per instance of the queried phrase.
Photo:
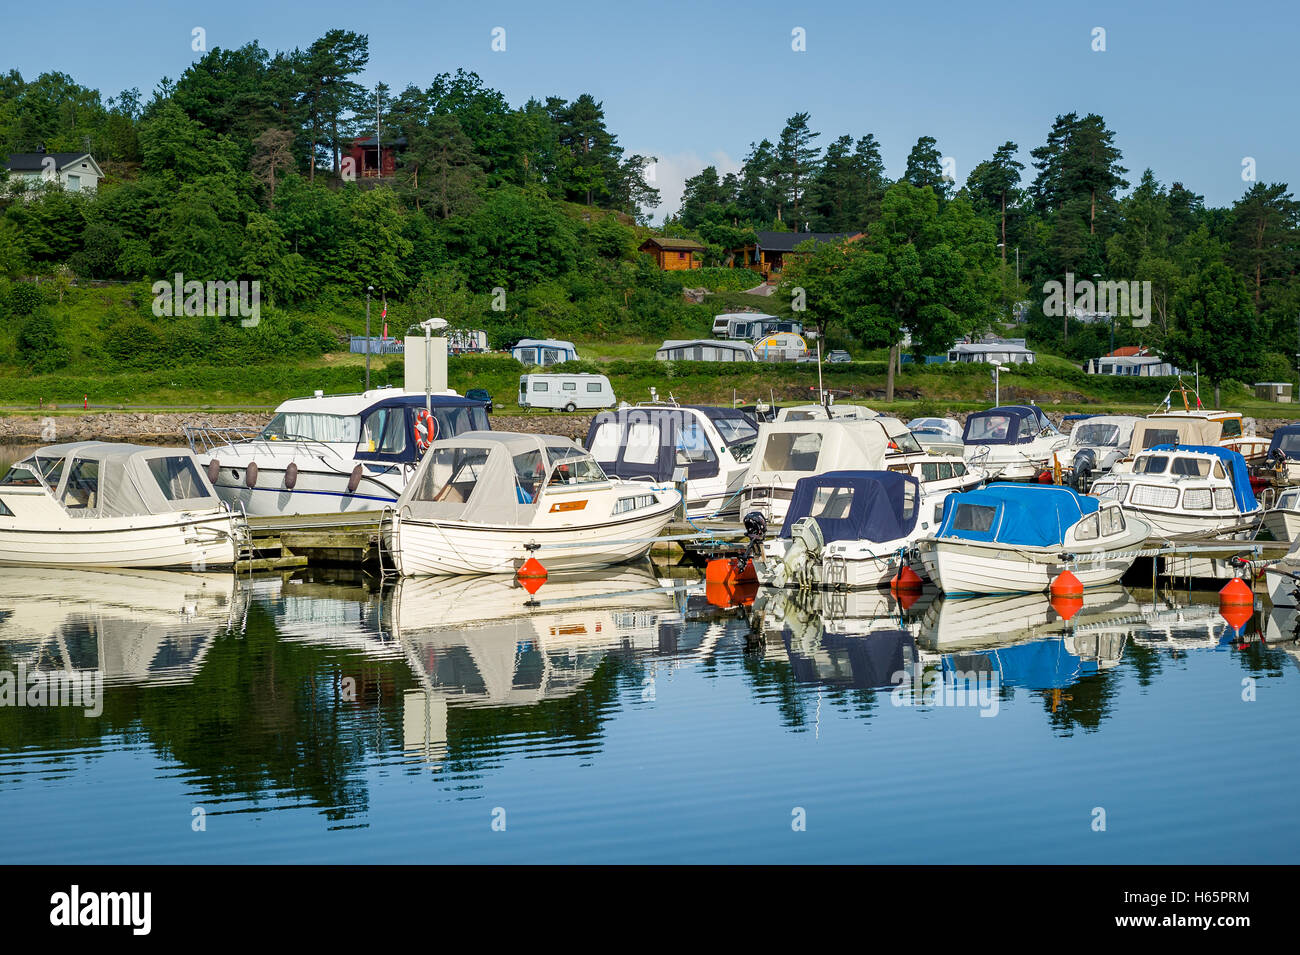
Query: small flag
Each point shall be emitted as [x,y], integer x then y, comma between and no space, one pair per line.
[385,331]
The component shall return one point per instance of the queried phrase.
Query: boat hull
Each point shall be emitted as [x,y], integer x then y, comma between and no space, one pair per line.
[962,568]
[1184,524]
[200,542]
[421,547]
[1283,524]
[322,491]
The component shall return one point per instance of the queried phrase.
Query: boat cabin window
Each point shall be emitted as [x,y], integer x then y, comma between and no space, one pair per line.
[451,475]
[1151,464]
[1224,501]
[385,431]
[1231,427]
[792,451]
[1112,521]
[573,466]
[929,472]
[1095,435]
[310,426]
[988,428]
[177,478]
[1154,436]
[1218,470]
[832,503]
[974,517]
[530,470]
[959,469]
[906,442]
[1190,467]
[1289,444]
[1109,492]
[82,491]
[1027,431]
[1088,529]
[4,511]
[1197,499]
[1286,500]
[695,443]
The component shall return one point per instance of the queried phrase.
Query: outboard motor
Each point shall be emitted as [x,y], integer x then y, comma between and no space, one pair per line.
[1085,462]
[755,532]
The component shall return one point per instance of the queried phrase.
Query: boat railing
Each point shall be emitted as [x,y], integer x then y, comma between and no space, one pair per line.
[206,439]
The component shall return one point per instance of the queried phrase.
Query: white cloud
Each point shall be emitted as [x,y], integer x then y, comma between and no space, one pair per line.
[673,169]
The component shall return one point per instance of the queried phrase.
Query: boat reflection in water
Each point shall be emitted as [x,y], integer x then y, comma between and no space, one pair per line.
[131,626]
[488,642]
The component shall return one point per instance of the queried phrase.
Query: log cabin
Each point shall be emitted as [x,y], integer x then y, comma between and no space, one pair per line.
[673,254]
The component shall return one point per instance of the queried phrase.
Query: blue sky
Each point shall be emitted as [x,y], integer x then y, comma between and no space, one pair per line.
[1190,88]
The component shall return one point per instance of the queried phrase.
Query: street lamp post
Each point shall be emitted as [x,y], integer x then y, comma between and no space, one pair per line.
[369,289]
[997,384]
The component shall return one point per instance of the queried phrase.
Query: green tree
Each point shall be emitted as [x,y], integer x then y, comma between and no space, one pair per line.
[925,167]
[1214,327]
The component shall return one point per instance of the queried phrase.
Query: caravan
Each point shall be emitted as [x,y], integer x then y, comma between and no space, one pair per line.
[565,392]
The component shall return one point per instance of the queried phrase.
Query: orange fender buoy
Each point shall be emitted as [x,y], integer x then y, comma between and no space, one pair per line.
[531,570]
[906,580]
[1067,607]
[1066,585]
[1236,594]
[722,570]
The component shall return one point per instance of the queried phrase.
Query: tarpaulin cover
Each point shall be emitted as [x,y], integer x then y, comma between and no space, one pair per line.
[856,505]
[1035,515]
[1233,463]
[642,443]
[1015,414]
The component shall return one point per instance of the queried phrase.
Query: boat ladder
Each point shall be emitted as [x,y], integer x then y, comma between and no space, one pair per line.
[837,572]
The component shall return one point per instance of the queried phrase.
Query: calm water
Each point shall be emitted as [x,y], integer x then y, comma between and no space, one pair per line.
[315,719]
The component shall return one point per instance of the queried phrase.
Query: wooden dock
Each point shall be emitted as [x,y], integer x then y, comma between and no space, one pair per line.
[287,542]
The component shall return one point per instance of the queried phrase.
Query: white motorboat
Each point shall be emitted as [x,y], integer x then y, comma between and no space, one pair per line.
[483,503]
[1184,490]
[938,435]
[98,504]
[1282,520]
[1281,464]
[650,442]
[1017,538]
[1227,429]
[1096,443]
[786,451]
[939,473]
[849,529]
[331,454]
[1012,442]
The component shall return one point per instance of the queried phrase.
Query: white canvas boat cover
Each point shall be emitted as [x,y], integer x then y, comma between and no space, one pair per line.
[102,479]
[1174,430]
[1104,430]
[492,477]
[788,450]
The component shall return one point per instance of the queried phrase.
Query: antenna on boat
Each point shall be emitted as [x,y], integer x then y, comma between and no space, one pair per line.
[429,326]
[821,391]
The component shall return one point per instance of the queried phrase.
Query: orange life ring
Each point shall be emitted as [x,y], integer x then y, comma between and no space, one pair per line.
[425,435]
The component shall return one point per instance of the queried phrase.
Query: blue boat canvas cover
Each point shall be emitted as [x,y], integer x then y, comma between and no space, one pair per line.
[1287,440]
[856,505]
[1002,425]
[1233,463]
[1030,515]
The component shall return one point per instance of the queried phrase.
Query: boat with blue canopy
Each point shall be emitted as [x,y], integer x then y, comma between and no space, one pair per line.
[1012,442]
[1017,538]
[1184,490]
[850,529]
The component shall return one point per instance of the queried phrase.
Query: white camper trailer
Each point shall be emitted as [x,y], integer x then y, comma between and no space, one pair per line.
[565,392]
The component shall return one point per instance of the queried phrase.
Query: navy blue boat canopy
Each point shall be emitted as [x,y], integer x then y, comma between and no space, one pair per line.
[877,506]
[1035,515]
[1233,463]
[1287,440]
[642,443]
[1007,424]
[388,425]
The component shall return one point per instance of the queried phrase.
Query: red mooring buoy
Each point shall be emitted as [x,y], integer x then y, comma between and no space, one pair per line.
[1066,585]
[1236,593]
[906,580]
[722,570]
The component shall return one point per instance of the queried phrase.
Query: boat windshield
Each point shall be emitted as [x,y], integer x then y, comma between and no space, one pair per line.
[906,442]
[310,426]
[993,428]
[385,431]
[1151,464]
[573,466]
[1095,435]
[21,474]
[734,430]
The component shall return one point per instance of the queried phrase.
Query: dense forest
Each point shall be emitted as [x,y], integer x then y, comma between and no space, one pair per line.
[237,171]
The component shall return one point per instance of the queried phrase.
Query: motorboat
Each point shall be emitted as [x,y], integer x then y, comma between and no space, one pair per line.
[331,454]
[1184,490]
[485,502]
[101,504]
[1017,538]
[1012,442]
[938,473]
[786,451]
[848,529]
[651,442]
[938,435]
[1281,464]
[1282,578]
[1282,520]
[1095,445]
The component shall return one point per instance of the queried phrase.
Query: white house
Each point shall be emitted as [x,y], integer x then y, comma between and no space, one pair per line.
[1133,360]
[75,172]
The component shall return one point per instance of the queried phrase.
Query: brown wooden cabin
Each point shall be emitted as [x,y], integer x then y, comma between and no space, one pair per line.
[773,248]
[369,162]
[673,254]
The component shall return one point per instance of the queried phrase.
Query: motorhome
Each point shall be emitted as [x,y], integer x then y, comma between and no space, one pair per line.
[565,392]
[780,346]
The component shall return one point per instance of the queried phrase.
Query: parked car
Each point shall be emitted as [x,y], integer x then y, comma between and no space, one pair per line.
[480,394]
[838,355]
